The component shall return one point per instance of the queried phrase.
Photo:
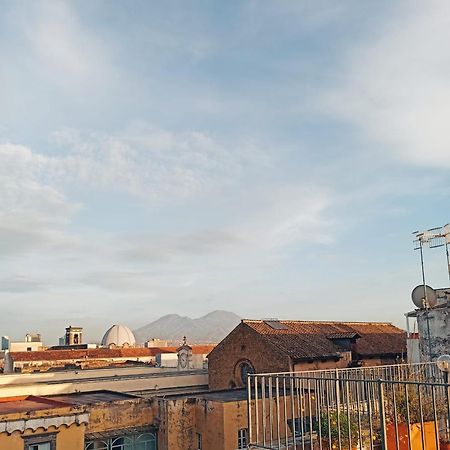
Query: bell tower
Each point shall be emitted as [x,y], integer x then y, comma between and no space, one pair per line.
[73,335]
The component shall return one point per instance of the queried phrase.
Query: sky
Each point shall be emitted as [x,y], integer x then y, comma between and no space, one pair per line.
[266,158]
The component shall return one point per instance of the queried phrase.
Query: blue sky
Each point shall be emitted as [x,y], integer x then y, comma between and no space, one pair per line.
[269,158]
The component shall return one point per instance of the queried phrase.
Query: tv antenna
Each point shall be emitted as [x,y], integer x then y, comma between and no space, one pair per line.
[433,238]
[423,296]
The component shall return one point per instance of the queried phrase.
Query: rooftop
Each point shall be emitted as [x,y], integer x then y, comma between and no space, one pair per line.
[230,395]
[9,405]
[92,353]
[305,340]
[102,353]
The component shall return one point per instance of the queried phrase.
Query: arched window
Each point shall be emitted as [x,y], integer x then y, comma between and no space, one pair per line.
[245,369]
[96,445]
[137,441]
[145,441]
[122,443]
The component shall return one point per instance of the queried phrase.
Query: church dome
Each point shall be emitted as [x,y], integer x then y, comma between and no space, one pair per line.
[118,336]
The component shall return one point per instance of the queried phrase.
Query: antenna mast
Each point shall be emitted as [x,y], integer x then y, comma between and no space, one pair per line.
[433,238]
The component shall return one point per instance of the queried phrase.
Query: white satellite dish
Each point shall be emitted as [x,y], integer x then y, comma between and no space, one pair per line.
[424,296]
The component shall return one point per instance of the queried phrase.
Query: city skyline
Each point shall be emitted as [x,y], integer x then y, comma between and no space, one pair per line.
[267,159]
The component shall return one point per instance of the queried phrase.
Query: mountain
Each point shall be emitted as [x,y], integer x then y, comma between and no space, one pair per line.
[210,328]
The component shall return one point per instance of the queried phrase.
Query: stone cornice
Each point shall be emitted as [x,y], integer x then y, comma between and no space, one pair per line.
[42,422]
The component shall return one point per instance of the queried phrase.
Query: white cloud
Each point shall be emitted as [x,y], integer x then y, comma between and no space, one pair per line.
[396,88]
[152,162]
[32,213]
[257,225]
[67,50]
[264,226]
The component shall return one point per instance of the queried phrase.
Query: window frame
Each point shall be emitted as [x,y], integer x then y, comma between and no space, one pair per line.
[47,438]
[146,439]
[242,438]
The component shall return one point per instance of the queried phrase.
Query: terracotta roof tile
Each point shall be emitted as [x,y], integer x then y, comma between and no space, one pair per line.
[202,349]
[92,353]
[311,340]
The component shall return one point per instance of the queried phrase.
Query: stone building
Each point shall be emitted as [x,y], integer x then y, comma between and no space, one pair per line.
[82,421]
[263,346]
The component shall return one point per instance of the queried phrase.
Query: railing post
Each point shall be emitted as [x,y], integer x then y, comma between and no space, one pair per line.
[249,410]
[382,414]
[338,408]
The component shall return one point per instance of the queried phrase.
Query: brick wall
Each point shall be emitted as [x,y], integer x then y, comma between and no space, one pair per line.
[243,344]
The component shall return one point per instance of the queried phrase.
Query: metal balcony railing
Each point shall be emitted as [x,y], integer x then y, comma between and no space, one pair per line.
[401,407]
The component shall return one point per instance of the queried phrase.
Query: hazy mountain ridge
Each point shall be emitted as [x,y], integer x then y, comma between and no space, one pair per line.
[212,327]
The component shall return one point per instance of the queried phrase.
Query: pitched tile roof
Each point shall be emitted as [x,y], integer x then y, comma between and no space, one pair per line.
[91,353]
[202,349]
[303,340]
[102,353]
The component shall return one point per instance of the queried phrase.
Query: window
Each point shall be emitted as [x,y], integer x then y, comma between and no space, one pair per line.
[42,442]
[122,443]
[199,441]
[145,441]
[246,369]
[242,438]
[96,445]
[302,427]
[141,441]
[43,446]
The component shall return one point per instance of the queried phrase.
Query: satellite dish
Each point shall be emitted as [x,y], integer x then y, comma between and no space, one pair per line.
[424,296]
[443,363]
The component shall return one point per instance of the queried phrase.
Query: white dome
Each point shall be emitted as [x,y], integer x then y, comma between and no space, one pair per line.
[118,336]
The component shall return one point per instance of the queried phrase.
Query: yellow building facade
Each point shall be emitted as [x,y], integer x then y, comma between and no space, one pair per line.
[213,420]
[100,420]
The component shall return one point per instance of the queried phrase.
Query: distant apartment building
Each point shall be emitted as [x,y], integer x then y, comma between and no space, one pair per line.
[156,342]
[31,343]
[262,346]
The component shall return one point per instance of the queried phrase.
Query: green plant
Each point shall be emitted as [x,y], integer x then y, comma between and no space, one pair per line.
[339,427]
[413,402]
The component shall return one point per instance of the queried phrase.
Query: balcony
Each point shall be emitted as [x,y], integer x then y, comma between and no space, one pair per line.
[397,407]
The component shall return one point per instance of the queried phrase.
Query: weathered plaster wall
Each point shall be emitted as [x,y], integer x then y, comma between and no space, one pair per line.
[218,422]
[68,438]
[320,365]
[177,426]
[210,422]
[102,417]
[235,417]
[116,415]
[438,343]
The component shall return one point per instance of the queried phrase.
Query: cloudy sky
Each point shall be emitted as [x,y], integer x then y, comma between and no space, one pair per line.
[268,158]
